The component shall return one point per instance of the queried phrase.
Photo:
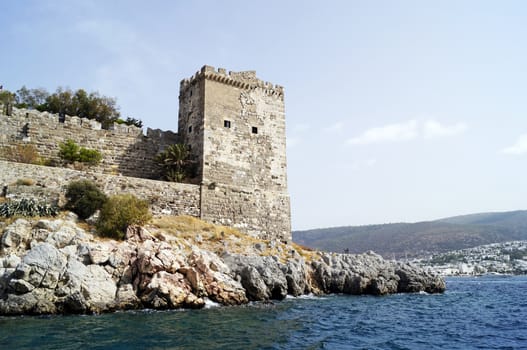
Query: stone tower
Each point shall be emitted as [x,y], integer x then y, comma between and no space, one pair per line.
[234,124]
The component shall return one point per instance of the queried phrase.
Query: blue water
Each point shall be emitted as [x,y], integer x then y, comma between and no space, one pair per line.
[475,313]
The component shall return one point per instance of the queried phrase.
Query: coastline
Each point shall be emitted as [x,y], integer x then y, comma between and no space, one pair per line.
[56,266]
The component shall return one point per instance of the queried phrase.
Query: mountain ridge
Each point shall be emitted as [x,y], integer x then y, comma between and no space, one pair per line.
[399,240]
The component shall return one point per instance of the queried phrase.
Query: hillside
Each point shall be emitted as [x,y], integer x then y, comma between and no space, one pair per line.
[419,239]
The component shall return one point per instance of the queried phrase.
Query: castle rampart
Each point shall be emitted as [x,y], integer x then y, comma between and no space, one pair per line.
[124,148]
[168,198]
[234,126]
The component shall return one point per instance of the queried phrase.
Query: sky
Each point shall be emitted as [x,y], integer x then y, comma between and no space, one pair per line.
[396,111]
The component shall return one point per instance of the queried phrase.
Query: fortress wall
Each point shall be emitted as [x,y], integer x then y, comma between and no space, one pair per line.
[167,198]
[125,149]
[262,214]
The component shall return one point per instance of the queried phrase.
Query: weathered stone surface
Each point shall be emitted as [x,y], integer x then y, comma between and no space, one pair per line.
[98,289]
[261,276]
[16,237]
[93,276]
[172,197]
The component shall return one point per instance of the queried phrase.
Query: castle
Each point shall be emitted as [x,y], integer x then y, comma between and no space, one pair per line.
[234,125]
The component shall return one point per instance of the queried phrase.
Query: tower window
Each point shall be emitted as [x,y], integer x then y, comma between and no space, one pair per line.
[190,129]
[191,93]
[227,123]
[254,130]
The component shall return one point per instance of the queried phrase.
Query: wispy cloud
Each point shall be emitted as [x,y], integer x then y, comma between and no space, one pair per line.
[434,129]
[335,128]
[518,148]
[388,133]
[407,131]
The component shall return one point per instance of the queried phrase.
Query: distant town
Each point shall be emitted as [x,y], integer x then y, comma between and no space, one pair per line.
[507,258]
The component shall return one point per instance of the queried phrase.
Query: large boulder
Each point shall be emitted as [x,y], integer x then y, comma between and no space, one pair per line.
[261,276]
[16,237]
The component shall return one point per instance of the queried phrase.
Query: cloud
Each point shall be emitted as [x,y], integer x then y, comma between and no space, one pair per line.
[407,131]
[518,148]
[335,128]
[388,133]
[433,129]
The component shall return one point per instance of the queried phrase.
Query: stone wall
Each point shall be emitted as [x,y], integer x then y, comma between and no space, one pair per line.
[124,148]
[167,198]
[262,214]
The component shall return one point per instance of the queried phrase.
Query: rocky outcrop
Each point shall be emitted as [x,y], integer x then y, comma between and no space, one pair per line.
[54,266]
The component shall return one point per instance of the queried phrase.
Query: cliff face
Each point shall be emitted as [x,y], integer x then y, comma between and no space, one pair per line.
[55,266]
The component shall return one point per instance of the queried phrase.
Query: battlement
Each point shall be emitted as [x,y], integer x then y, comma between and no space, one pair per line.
[244,80]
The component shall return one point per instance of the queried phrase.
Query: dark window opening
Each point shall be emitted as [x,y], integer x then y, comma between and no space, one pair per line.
[190,129]
[191,93]
[254,130]
[227,123]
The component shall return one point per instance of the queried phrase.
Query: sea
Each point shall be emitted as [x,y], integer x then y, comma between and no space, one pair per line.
[474,313]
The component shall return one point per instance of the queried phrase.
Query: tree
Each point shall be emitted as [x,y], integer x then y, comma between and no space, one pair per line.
[31,98]
[6,97]
[91,106]
[176,162]
[135,122]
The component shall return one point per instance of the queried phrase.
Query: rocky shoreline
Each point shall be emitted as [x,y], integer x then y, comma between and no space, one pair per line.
[56,266]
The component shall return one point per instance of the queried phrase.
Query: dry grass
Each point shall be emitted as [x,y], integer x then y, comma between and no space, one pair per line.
[187,227]
[215,238]
[306,252]
[25,182]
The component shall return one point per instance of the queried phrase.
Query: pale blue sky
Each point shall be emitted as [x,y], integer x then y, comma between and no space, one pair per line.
[396,110]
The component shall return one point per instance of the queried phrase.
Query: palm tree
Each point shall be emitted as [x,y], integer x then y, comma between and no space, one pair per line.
[175,161]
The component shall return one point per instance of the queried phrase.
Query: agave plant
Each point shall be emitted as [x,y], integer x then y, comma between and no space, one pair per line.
[27,207]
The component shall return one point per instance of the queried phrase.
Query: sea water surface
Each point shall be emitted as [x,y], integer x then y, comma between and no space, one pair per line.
[474,313]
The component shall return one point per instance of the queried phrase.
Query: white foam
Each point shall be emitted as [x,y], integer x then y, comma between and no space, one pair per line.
[209,304]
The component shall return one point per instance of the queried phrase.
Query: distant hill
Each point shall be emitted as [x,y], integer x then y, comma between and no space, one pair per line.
[422,238]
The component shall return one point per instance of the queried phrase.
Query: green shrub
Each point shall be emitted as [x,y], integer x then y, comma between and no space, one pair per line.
[89,156]
[27,207]
[119,212]
[84,198]
[70,152]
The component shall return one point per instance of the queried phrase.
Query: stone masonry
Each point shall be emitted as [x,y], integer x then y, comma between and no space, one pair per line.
[124,148]
[234,125]
[168,198]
